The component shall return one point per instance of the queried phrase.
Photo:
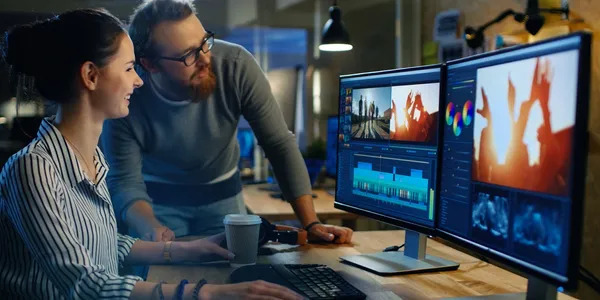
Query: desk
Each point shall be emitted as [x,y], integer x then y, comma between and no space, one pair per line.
[260,202]
[473,278]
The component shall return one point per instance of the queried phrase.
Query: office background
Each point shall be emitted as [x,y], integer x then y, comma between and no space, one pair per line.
[385,34]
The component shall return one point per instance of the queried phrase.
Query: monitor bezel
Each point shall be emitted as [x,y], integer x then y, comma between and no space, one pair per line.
[380,217]
[579,160]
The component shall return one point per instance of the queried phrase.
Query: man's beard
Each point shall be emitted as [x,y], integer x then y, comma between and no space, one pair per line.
[202,90]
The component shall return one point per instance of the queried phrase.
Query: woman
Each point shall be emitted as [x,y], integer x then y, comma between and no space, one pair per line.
[59,237]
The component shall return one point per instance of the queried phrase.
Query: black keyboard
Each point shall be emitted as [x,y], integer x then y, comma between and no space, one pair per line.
[312,281]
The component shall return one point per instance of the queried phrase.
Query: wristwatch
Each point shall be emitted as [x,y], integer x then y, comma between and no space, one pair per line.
[167,251]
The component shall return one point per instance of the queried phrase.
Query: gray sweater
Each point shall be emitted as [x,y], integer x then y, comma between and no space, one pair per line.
[185,144]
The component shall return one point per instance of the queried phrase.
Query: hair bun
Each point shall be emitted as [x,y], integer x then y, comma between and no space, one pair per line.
[26,47]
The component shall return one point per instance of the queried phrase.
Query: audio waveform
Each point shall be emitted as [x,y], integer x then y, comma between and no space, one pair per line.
[408,190]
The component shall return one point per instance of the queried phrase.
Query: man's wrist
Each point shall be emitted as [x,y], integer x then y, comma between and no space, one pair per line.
[311,225]
[140,217]
[145,226]
[304,209]
[311,220]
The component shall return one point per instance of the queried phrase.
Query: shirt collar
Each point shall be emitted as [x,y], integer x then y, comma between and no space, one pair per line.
[61,152]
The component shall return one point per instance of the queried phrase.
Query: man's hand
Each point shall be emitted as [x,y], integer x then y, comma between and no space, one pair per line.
[305,210]
[158,234]
[330,233]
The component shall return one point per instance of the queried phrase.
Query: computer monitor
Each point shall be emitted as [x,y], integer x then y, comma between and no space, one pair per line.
[332,134]
[514,155]
[245,138]
[387,160]
[24,129]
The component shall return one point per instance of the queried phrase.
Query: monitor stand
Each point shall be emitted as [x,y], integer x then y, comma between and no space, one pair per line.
[536,289]
[413,259]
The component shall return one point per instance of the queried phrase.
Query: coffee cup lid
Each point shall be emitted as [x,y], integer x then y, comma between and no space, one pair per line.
[238,219]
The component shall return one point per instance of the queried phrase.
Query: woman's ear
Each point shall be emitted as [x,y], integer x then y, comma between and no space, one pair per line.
[89,73]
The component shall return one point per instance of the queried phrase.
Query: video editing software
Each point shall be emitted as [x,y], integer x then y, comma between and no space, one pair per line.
[387,152]
[507,156]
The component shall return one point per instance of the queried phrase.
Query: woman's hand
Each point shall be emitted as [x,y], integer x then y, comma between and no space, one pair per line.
[206,249]
[248,290]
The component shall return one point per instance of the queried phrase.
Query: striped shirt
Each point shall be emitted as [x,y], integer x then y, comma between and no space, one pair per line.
[58,235]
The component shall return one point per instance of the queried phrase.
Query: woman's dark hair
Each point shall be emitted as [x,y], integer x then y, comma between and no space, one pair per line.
[151,13]
[52,51]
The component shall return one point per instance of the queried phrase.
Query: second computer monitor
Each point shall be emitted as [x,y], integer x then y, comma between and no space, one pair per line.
[513,160]
[388,145]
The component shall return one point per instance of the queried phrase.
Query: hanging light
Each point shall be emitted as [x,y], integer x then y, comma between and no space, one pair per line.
[335,37]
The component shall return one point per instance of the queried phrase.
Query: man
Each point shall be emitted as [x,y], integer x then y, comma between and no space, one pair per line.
[174,158]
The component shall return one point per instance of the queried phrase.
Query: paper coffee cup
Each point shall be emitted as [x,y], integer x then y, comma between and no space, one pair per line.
[242,233]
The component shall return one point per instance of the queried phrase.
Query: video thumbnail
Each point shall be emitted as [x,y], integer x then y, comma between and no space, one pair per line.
[415,112]
[371,111]
[537,226]
[523,127]
[490,214]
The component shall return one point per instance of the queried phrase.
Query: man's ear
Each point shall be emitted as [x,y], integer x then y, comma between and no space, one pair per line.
[89,73]
[148,65]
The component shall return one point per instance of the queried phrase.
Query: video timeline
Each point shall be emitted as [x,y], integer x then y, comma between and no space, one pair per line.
[393,180]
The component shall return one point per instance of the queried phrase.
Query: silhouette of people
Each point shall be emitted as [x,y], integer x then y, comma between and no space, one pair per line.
[371,113]
[360,108]
[416,123]
[487,159]
[366,118]
[549,173]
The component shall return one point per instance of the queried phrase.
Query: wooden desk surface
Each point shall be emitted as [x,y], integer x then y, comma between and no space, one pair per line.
[261,203]
[473,278]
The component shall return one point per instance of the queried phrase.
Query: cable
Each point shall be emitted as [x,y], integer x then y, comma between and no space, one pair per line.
[589,274]
[21,91]
[589,278]
[393,248]
[20,94]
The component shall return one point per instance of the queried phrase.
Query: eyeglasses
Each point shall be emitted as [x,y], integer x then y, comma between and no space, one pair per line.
[192,57]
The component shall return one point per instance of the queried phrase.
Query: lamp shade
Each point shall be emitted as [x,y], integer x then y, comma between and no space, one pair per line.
[335,37]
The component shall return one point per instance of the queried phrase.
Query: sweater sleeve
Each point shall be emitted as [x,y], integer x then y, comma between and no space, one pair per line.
[123,154]
[33,207]
[266,119]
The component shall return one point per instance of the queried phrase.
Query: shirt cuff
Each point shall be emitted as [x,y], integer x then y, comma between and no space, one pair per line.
[119,287]
[124,245]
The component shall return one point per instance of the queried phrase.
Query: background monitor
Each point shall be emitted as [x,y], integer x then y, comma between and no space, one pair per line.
[388,157]
[332,133]
[513,160]
[24,129]
[245,138]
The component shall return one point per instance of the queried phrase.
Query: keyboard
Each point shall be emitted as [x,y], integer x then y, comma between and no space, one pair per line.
[311,281]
